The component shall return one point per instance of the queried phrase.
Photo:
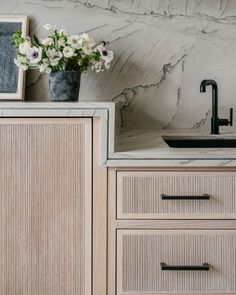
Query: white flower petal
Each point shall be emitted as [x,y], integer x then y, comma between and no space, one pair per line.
[88,50]
[47,41]
[87,39]
[68,52]
[107,66]
[23,47]
[63,32]
[34,54]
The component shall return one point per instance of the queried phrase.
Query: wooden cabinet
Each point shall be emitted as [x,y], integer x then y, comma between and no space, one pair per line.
[171,231]
[64,231]
[45,206]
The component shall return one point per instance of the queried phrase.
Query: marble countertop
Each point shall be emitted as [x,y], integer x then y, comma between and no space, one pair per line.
[131,148]
[104,110]
[149,149]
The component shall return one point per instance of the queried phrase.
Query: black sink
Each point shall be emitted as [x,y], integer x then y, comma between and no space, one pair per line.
[200,141]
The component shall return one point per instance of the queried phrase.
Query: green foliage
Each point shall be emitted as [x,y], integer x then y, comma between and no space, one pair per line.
[17,38]
[36,41]
[61,51]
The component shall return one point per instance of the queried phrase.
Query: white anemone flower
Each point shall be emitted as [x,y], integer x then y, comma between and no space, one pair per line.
[34,54]
[74,41]
[106,55]
[47,41]
[68,51]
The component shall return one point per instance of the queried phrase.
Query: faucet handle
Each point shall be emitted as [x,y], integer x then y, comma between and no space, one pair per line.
[231,117]
[226,122]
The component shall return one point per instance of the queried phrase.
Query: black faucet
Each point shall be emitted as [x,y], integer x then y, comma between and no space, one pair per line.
[215,121]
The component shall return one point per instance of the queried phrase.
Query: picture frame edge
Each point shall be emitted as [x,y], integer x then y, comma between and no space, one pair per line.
[20,94]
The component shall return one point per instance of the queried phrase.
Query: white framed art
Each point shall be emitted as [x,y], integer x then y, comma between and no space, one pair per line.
[12,79]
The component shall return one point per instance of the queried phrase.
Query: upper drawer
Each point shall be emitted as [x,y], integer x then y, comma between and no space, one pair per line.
[191,195]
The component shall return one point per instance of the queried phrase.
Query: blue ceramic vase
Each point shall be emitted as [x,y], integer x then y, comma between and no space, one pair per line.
[64,85]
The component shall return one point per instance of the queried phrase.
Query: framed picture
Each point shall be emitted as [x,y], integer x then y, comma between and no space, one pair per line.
[12,79]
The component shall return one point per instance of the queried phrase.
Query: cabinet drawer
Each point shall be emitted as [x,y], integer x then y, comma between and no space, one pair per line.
[140,254]
[191,195]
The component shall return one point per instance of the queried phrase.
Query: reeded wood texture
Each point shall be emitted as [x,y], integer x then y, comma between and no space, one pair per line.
[138,194]
[139,254]
[99,215]
[45,218]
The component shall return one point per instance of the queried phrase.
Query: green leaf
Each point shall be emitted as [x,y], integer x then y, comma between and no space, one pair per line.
[37,42]
[17,38]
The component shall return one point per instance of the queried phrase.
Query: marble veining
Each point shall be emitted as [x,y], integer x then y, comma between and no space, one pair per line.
[163,49]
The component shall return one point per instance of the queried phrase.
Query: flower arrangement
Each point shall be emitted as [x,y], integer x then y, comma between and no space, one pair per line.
[61,51]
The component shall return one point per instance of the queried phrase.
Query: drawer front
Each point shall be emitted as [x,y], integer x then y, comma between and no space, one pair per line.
[153,195]
[140,254]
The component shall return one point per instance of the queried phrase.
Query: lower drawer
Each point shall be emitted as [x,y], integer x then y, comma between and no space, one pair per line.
[176,261]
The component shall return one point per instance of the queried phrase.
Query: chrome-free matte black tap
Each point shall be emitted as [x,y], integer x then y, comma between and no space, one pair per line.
[215,121]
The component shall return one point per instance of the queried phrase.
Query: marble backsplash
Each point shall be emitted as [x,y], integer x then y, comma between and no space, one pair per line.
[163,49]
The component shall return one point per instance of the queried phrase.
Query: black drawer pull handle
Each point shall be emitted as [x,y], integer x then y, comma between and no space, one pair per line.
[203,267]
[200,197]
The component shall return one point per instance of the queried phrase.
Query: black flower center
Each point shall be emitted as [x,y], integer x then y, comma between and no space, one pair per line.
[105,53]
[35,54]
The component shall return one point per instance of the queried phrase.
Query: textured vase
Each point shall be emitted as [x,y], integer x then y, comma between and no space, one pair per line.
[64,85]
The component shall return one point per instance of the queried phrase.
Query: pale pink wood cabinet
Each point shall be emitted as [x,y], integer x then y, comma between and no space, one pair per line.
[45,206]
[140,254]
[171,231]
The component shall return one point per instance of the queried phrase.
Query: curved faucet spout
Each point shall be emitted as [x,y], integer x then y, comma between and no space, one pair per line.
[215,121]
[206,83]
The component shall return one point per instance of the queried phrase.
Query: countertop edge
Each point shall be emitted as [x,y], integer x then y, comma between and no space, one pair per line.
[107,113]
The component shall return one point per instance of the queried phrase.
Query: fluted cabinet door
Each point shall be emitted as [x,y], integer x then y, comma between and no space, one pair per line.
[45,206]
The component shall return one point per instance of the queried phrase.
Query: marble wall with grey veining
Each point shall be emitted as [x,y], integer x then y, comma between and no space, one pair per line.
[163,49]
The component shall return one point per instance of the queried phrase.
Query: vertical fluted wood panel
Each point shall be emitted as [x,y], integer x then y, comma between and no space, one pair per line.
[43,206]
[140,253]
[138,194]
